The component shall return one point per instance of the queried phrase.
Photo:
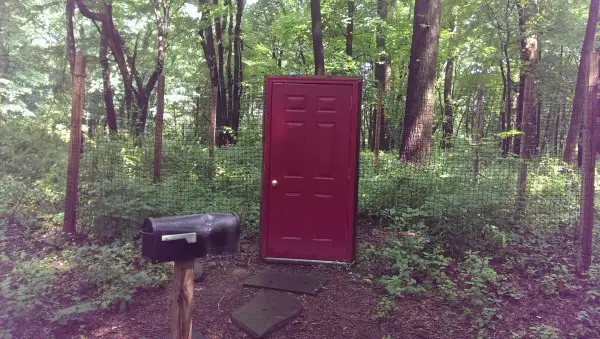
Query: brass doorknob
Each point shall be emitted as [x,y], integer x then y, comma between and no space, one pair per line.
[274,182]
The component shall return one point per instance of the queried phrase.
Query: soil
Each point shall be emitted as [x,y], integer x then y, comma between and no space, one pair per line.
[344,308]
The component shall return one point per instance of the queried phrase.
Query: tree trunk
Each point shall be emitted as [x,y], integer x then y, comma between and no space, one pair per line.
[418,118]
[448,117]
[519,117]
[477,131]
[382,74]
[586,210]
[529,58]
[208,46]
[509,100]
[581,88]
[238,46]
[71,50]
[229,65]
[127,63]
[378,116]
[109,106]
[222,103]
[317,36]
[350,28]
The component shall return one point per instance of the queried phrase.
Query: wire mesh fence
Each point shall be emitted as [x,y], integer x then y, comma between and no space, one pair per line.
[464,192]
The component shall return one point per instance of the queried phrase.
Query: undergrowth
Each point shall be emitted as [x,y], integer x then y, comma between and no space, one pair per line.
[449,231]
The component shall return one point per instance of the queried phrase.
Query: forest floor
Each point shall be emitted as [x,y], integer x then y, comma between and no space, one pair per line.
[344,308]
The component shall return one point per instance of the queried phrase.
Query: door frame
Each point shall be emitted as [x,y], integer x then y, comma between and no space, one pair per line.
[354,134]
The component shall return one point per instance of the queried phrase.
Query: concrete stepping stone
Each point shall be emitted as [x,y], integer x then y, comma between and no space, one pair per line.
[296,282]
[266,313]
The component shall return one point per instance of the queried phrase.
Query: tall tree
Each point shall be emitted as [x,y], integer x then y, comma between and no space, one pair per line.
[420,96]
[317,36]
[582,84]
[383,70]
[590,133]
[107,92]
[127,62]
[529,59]
[448,119]
[228,96]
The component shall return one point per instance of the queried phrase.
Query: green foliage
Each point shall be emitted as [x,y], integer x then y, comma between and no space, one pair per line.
[385,307]
[415,268]
[114,272]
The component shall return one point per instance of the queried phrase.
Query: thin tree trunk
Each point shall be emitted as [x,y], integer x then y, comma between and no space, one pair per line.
[222,119]
[378,124]
[228,66]
[317,37]
[350,28]
[519,117]
[448,118]
[71,50]
[555,148]
[529,58]
[538,122]
[509,99]
[382,74]
[418,118]
[477,130]
[586,210]
[238,46]
[158,131]
[109,106]
[582,83]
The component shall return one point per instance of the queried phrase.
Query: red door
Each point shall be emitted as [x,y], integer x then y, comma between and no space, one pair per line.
[309,183]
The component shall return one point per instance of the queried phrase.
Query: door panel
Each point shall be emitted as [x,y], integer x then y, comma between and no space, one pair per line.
[310,158]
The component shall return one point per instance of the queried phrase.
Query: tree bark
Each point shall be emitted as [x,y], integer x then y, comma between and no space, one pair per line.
[529,58]
[448,118]
[158,130]
[71,50]
[222,104]
[350,28]
[238,46]
[581,88]
[107,93]
[127,63]
[477,130]
[77,104]
[418,118]
[519,116]
[228,66]
[586,210]
[382,74]
[317,36]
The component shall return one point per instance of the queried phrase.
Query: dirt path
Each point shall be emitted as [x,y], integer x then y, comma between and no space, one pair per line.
[342,309]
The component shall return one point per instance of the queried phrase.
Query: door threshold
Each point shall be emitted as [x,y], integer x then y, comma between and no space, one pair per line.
[305,261]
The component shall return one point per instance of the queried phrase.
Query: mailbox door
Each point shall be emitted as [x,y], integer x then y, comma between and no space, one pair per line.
[309,179]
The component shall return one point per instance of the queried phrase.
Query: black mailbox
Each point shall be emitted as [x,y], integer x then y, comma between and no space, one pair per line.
[189,236]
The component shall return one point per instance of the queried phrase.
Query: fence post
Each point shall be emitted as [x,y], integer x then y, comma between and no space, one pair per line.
[588,170]
[158,131]
[77,102]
